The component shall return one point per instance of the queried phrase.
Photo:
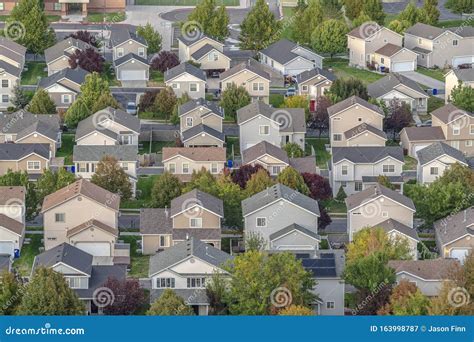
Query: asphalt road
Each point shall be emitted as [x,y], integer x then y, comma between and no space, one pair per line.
[397,7]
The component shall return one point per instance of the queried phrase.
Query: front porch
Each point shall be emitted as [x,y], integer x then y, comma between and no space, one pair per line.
[73,10]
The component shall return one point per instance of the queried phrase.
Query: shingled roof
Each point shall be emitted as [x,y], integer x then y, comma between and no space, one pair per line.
[449,113]
[66,254]
[197,198]
[282,51]
[77,76]
[424,133]
[427,269]
[438,149]
[391,224]
[207,106]
[251,65]
[366,154]
[184,68]
[262,148]
[351,101]
[375,191]
[20,151]
[310,74]
[453,227]
[392,81]
[199,154]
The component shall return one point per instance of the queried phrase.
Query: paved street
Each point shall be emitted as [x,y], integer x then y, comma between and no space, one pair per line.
[425,80]
[338,225]
[397,7]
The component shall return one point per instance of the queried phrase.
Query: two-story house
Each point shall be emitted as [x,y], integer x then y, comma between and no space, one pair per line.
[260,122]
[441,47]
[12,61]
[81,273]
[12,219]
[251,76]
[31,158]
[284,218]
[186,268]
[186,78]
[354,168]
[195,214]
[463,77]
[356,122]
[413,139]
[289,58]
[313,84]
[57,56]
[394,58]
[200,123]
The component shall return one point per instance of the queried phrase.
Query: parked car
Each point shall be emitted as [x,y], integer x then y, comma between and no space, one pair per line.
[291,91]
[426,123]
[132,108]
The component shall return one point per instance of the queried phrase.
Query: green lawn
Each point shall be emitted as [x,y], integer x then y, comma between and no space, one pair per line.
[156,78]
[184,2]
[156,146]
[232,141]
[322,156]
[145,186]
[342,70]
[50,18]
[410,163]
[437,74]
[149,115]
[35,71]
[138,263]
[97,17]
[109,75]
[276,100]
[434,103]
[333,206]
[455,23]
[28,252]
[66,148]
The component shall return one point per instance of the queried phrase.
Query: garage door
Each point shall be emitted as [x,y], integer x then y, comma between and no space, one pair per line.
[132,75]
[462,60]
[403,66]
[6,247]
[416,148]
[95,248]
[459,253]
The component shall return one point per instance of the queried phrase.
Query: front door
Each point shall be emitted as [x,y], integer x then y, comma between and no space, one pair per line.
[74,9]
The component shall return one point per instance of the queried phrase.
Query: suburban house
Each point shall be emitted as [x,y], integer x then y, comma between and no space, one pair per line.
[379,206]
[250,75]
[184,161]
[413,139]
[87,157]
[12,61]
[80,272]
[129,54]
[85,216]
[365,40]
[201,123]
[394,58]
[356,122]
[194,214]
[186,268]
[355,168]
[440,47]
[186,78]
[60,8]
[12,219]
[259,121]
[428,274]
[108,126]
[64,86]
[290,58]
[206,51]
[274,159]
[57,56]
[32,158]
[455,235]
[464,77]
[435,159]
[23,127]
[396,86]
[285,219]
[314,83]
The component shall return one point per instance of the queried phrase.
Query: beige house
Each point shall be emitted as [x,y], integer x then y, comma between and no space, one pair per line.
[194,214]
[12,61]
[12,219]
[186,78]
[364,40]
[251,76]
[184,161]
[84,215]
[394,58]
[413,139]
[57,56]
[453,78]
[356,122]
[31,158]
[441,47]
[455,234]
[314,83]
[188,47]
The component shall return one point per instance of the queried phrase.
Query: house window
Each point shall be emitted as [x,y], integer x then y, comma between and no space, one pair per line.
[420,41]
[82,167]
[330,305]
[305,88]
[337,137]
[172,168]
[213,56]
[193,87]
[8,138]
[124,166]
[126,139]
[5,98]
[59,217]
[433,171]
[66,98]
[141,52]
[455,42]
[358,186]
[119,52]
[471,129]
[57,6]
[261,221]
[5,83]
[195,222]
[214,168]
[73,282]
[264,130]
[382,60]
[344,170]
[165,283]
[185,168]
[257,86]
[175,85]
[384,214]
[189,122]
[196,283]
[468,143]
[276,170]
[33,165]
[162,241]
[343,184]
[388,168]
[456,130]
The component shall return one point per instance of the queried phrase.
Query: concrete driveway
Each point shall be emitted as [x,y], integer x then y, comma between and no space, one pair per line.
[423,79]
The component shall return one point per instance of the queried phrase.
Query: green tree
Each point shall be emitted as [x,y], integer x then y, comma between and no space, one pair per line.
[51,181]
[361,19]
[374,10]
[77,112]
[343,88]
[48,294]
[259,181]
[110,176]
[293,150]
[165,188]
[410,14]
[174,119]
[460,6]
[202,180]
[341,195]
[92,89]
[430,12]
[232,196]
[20,178]
[170,304]
[406,300]
[254,241]
[165,102]
[203,14]
[11,293]
[353,8]
[219,26]
[234,98]
[385,181]
[306,21]
[216,290]
[296,310]
[293,179]
[151,36]
[463,97]
[297,101]
[41,103]
[330,37]
[20,97]
[105,100]
[399,26]
[260,28]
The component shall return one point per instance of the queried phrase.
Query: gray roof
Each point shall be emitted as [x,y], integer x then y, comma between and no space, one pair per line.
[121,35]
[449,113]
[11,224]
[465,75]
[190,296]
[16,122]
[304,164]
[391,224]
[204,50]
[77,75]
[438,149]
[184,68]
[67,254]
[424,31]
[97,152]
[375,191]
[90,124]
[375,179]
[188,42]
[389,82]
[10,69]
[264,147]
[13,46]
[99,275]
[57,50]
[251,65]
[198,234]
[155,221]
[276,192]
[39,127]
[211,106]
[282,51]
[366,154]
[424,133]
[197,197]
[388,50]
[350,101]
[19,151]
[466,31]
[418,49]
[192,247]
[351,133]
[309,74]
[455,226]
[292,227]
[427,269]
[129,57]
[290,119]
[364,32]
[199,129]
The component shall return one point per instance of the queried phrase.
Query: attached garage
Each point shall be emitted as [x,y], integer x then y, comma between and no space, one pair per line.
[133,75]
[403,66]
[6,247]
[95,248]
[459,253]
[416,148]
[462,60]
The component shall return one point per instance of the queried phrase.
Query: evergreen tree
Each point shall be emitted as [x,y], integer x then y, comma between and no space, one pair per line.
[259,181]
[93,87]
[341,195]
[430,12]
[353,8]
[77,112]
[41,103]
[151,36]
[218,28]
[463,97]
[234,98]
[166,188]
[165,102]
[110,176]
[361,19]
[330,37]
[374,9]
[292,178]
[11,293]
[105,100]
[410,14]
[398,26]
[306,21]
[20,98]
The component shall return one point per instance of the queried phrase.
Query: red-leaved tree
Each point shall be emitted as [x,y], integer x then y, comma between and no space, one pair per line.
[319,188]
[128,297]
[320,118]
[243,174]
[88,60]
[164,61]
[86,37]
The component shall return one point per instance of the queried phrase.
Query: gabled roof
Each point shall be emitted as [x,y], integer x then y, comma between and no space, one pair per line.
[182,69]
[275,193]
[77,76]
[439,149]
[368,30]
[199,198]
[309,74]
[182,251]
[465,75]
[97,152]
[119,36]
[92,223]
[366,154]
[82,187]
[427,269]
[12,195]
[210,106]
[20,151]
[189,42]
[197,154]
[250,65]
[99,276]
[283,51]
[16,122]
[350,101]
[202,129]
[375,191]
[155,221]
[10,69]
[66,254]
[262,148]
[13,46]
[449,113]
[57,50]
[129,57]
[204,50]
[425,31]
[304,164]
[455,226]
[363,127]
[391,224]
[424,133]
[11,224]
[466,31]
[389,50]
[390,82]
[39,127]
[292,227]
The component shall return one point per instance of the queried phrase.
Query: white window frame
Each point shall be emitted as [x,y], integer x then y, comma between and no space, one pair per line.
[36,165]
[172,167]
[358,186]
[8,138]
[60,217]
[434,168]
[344,170]
[82,167]
[185,168]
[337,137]
[214,168]
[8,83]
[120,52]
[199,282]
[456,130]
[455,42]
[330,305]
[388,168]
[276,169]
[7,97]
[468,143]
[266,128]
[2,6]
[193,84]
[188,120]
[471,129]
[124,166]
[261,218]
[141,51]
[304,88]
[74,282]
[195,222]
[175,85]
[66,98]
[258,86]
[165,283]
